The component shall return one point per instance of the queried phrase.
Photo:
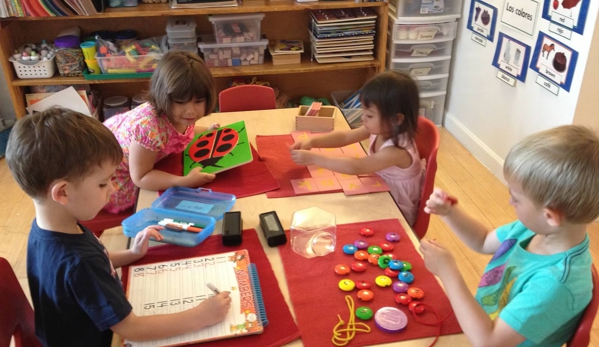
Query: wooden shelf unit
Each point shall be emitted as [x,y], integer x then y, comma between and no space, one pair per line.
[283,19]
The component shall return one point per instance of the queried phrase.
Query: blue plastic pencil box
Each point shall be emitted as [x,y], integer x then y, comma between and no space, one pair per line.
[202,207]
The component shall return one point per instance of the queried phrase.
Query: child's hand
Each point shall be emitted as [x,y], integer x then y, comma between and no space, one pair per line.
[196,178]
[302,157]
[213,126]
[140,243]
[439,203]
[307,145]
[437,258]
[214,309]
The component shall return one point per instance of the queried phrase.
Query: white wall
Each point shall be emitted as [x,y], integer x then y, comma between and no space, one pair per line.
[487,115]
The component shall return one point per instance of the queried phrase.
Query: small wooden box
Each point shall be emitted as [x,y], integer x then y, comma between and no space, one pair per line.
[324,121]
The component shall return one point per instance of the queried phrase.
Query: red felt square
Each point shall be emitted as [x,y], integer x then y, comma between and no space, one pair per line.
[327,183]
[374,184]
[353,187]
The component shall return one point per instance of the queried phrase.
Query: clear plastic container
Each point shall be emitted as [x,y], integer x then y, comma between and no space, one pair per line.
[432,106]
[69,56]
[313,232]
[129,64]
[237,28]
[186,44]
[115,105]
[137,100]
[418,32]
[397,49]
[425,9]
[421,66]
[181,27]
[202,207]
[233,54]
[432,84]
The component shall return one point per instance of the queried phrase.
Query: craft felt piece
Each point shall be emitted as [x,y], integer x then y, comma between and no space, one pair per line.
[281,328]
[330,299]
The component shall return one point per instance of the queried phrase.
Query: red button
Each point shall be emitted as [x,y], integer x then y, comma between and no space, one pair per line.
[365,295]
[403,299]
[358,266]
[366,232]
[342,269]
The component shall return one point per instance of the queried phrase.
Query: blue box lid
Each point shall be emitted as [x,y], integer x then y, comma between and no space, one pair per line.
[198,201]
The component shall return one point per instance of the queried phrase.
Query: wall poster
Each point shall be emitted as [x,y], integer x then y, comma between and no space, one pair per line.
[554,60]
[570,14]
[512,56]
[482,19]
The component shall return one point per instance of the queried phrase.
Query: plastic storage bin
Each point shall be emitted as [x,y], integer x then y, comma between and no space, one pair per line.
[34,69]
[426,9]
[352,113]
[237,28]
[399,49]
[432,106]
[115,105]
[419,32]
[186,44]
[421,66]
[203,207]
[128,64]
[233,54]
[432,84]
[181,28]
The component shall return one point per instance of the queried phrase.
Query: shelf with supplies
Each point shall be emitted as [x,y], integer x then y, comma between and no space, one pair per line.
[283,19]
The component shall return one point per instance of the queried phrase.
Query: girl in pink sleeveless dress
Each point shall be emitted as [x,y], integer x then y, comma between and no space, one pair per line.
[181,92]
[390,102]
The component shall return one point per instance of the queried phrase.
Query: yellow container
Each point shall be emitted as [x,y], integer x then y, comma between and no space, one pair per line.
[89,50]
[93,67]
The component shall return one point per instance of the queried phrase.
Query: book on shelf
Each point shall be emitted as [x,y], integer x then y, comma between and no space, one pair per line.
[50,8]
[202,3]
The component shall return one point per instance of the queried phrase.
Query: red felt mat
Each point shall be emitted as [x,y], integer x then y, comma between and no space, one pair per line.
[246,180]
[274,152]
[281,328]
[317,299]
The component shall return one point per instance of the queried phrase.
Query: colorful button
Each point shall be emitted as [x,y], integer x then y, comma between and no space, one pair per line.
[342,269]
[400,287]
[366,232]
[358,266]
[365,295]
[416,293]
[396,264]
[384,261]
[361,255]
[416,307]
[390,320]
[375,250]
[347,285]
[382,281]
[407,266]
[403,299]
[349,249]
[392,237]
[391,273]
[374,259]
[362,284]
[387,246]
[360,244]
[364,313]
[406,276]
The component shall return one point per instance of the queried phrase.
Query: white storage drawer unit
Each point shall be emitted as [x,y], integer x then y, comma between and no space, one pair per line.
[399,49]
[421,66]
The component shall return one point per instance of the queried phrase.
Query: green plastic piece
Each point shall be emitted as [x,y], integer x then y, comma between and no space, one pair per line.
[364,313]
[115,76]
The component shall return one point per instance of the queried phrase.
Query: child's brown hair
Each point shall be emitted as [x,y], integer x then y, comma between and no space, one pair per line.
[181,76]
[58,144]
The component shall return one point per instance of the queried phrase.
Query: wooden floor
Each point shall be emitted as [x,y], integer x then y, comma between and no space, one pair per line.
[479,192]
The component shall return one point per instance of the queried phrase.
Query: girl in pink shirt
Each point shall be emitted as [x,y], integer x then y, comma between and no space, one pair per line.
[181,92]
[390,102]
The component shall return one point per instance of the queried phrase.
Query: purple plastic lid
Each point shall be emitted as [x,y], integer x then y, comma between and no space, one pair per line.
[67,41]
[390,319]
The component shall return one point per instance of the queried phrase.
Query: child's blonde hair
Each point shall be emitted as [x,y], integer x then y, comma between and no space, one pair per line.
[393,93]
[58,144]
[559,169]
[181,76]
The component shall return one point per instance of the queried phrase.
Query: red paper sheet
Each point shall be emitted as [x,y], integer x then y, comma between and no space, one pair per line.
[281,328]
[274,152]
[246,180]
[317,299]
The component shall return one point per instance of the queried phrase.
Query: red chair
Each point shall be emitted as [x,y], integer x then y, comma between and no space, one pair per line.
[105,220]
[582,335]
[427,141]
[247,97]
[16,315]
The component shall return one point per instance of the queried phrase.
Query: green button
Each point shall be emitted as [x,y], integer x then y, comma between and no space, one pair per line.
[406,266]
[375,250]
[364,313]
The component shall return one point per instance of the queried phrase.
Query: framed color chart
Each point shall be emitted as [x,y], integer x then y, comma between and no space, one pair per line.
[570,14]
[554,60]
[482,19]
[511,57]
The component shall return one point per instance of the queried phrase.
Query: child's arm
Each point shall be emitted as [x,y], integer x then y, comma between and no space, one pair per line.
[208,312]
[474,321]
[333,139]
[138,248]
[141,167]
[198,129]
[389,156]
[472,232]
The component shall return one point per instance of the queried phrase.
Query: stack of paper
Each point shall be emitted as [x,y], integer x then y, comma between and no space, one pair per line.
[342,35]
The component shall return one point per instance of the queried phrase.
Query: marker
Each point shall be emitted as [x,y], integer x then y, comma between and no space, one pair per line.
[213,288]
[452,200]
[179,226]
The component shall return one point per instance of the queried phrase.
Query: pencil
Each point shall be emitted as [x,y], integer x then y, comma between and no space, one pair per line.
[178,227]
[213,288]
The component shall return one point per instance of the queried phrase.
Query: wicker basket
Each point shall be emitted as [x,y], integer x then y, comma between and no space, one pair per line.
[34,69]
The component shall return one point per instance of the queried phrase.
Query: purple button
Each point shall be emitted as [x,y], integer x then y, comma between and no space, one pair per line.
[360,244]
[400,287]
[390,320]
[392,237]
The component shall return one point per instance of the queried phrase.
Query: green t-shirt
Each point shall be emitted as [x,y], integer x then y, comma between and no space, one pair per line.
[540,296]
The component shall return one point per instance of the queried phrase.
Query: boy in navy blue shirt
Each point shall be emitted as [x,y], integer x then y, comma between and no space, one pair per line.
[66,161]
